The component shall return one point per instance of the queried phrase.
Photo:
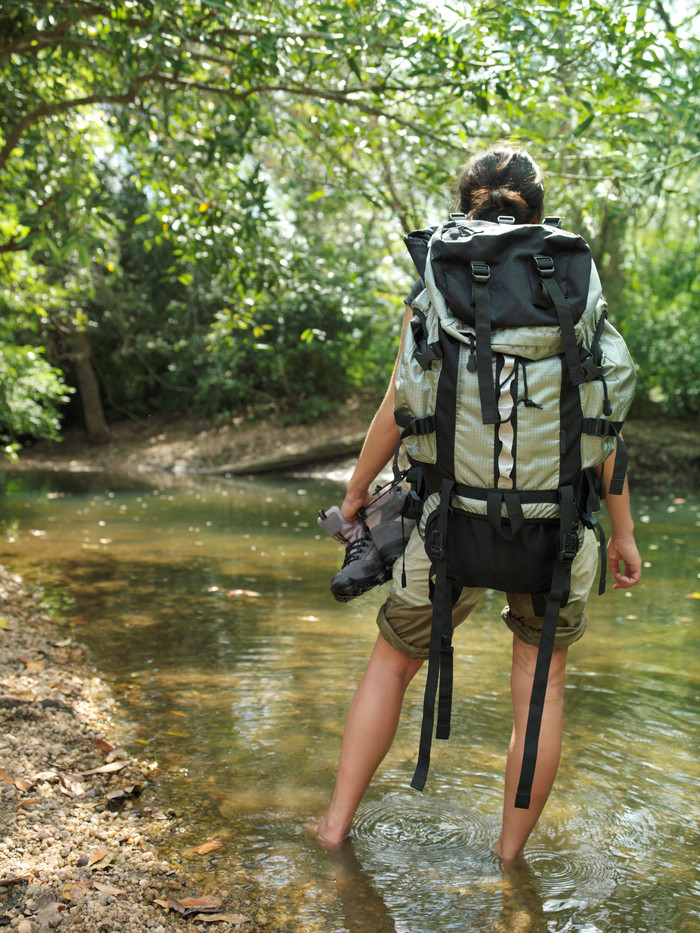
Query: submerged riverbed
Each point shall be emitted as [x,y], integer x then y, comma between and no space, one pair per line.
[206,608]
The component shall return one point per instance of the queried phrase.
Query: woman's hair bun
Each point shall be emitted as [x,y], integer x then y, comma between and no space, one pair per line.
[501,181]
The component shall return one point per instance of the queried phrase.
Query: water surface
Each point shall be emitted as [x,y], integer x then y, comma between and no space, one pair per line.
[206,606]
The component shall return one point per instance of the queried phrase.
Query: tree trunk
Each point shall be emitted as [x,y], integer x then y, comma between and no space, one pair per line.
[88,387]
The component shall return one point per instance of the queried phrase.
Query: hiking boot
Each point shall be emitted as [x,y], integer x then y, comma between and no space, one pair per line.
[387,526]
[362,568]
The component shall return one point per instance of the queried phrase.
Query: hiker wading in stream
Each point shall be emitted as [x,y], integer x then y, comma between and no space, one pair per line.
[500,181]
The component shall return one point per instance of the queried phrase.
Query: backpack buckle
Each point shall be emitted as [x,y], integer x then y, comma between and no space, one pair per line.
[545,266]
[437,544]
[481,271]
[569,547]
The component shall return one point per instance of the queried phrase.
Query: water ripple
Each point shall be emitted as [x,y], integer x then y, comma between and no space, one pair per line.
[400,824]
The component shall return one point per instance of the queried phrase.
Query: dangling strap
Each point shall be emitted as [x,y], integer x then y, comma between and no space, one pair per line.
[589,502]
[558,596]
[440,658]
[481,274]
[545,268]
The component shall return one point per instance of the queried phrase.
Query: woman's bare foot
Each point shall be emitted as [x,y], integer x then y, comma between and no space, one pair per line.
[329,836]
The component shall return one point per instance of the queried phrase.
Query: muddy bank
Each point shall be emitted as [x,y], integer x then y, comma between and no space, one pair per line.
[80,819]
[664,453]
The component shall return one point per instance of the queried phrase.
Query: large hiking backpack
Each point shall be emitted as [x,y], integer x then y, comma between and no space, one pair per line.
[512,386]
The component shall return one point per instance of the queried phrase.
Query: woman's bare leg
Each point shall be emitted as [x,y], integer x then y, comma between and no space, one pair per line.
[369,731]
[518,823]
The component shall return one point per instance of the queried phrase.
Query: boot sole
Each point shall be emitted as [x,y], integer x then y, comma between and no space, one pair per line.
[345,590]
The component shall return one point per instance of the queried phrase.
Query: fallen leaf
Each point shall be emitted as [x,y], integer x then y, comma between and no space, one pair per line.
[692,596]
[210,846]
[107,889]
[23,785]
[222,918]
[4,777]
[106,769]
[46,776]
[75,891]
[177,712]
[187,906]
[71,784]
[104,746]
[3,623]
[34,667]
[27,803]
[95,857]
[177,735]
[114,796]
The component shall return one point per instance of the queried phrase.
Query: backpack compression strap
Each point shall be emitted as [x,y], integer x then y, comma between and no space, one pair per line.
[545,269]
[481,273]
[440,659]
[558,596]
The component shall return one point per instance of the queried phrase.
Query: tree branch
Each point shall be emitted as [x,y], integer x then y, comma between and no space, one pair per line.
[39,35]
[52,110]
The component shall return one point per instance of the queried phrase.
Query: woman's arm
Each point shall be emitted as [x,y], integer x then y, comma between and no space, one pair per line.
[379,446]
[623,556]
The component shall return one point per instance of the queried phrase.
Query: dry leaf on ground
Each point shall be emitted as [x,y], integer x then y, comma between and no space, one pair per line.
[71,784]
[106,769]
[187,906]
[107,889]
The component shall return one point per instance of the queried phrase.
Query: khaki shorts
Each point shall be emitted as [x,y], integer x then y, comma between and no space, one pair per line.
[405,618]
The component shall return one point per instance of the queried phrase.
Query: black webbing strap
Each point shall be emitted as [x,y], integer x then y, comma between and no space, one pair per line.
[411,426]
[590,521]
[433,483]
[424,353]
[545,268]
[617,479]
[601,427]
[514,511]
[440,658]
[558,596]
[482,325]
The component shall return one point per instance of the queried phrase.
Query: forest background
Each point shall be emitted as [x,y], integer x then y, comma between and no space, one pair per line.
[202,204]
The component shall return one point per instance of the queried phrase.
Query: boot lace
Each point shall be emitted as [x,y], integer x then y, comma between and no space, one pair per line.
[356,551]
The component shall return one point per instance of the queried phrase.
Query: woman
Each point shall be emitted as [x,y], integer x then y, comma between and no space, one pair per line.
[496,182]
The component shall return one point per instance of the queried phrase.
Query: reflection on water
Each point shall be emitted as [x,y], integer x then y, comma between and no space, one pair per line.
[207,607]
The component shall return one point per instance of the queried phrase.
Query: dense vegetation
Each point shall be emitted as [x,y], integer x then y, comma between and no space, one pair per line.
[202,204]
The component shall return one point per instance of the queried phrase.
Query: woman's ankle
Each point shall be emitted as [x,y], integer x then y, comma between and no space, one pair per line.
[331,834]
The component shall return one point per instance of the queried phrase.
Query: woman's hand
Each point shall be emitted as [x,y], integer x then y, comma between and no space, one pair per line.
[625,562]
[353,501]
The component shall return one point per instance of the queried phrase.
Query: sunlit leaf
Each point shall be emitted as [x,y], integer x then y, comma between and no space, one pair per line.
[207,847]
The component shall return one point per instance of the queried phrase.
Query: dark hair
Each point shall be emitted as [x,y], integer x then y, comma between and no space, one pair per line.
[501,181]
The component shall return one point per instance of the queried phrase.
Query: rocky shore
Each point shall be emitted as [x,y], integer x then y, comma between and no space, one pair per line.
[79,817]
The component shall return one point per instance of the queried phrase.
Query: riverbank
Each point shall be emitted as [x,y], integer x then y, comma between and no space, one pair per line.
[664,453]
[79,817]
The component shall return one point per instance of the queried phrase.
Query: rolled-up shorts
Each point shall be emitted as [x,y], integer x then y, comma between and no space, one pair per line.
[405,618]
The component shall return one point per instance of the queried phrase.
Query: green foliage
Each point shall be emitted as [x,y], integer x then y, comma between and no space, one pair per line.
[31,392]
[215,193]
[662,321]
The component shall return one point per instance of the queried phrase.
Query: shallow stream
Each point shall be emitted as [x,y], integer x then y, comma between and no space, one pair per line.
[206,607]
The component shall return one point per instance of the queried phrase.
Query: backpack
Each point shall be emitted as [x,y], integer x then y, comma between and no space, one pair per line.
[511,387]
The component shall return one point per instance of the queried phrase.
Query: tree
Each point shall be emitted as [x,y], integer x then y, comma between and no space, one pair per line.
[249,129]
